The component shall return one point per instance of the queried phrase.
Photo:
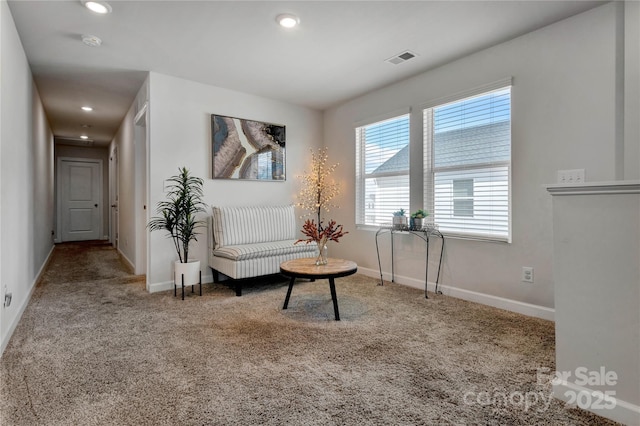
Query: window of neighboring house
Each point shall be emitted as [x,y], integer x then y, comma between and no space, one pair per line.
[463,197]
[382,170]
[467,164]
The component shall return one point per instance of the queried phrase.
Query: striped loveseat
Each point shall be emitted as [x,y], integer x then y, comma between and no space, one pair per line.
[247,242]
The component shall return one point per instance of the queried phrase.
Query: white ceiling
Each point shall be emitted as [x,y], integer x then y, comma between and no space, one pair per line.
[337,53]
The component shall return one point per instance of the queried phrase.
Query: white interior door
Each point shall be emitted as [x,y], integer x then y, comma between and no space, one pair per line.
[79,199]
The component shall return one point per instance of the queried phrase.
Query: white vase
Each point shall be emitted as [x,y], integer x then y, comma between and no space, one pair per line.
[399,222]
[190,270]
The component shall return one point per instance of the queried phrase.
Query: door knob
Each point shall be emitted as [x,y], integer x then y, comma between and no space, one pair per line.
[95,205]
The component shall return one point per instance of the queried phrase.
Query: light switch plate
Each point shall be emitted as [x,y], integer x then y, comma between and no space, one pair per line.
[571,176]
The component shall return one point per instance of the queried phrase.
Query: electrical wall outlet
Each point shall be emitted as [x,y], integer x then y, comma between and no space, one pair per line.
[527,274]
[571,176]
[7,297]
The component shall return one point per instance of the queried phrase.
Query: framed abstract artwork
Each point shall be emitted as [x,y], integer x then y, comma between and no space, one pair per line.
[247,149]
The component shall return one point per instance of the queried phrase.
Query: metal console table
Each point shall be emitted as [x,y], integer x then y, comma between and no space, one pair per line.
[423,233]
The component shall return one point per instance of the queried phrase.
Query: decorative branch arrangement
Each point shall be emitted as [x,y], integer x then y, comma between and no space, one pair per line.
[317,194]
[318,190]
[331,232]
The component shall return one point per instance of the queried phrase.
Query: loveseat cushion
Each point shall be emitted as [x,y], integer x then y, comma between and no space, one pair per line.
[235,226]
[257,250]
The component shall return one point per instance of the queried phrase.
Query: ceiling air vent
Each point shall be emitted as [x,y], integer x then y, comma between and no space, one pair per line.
[402,57]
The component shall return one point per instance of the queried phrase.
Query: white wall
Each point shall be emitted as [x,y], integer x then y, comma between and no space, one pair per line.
[180,135]
[597,293]
[26,178]
[125,142]
[43,183]
[632,90]
[564,117]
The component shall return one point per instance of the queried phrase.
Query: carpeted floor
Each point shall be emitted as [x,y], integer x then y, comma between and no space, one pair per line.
[94,348]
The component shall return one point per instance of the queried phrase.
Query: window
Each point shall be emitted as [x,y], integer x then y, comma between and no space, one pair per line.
[382,170]
[463,197]
[467,161]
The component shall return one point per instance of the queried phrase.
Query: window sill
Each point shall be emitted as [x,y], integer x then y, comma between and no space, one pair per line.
[479,238]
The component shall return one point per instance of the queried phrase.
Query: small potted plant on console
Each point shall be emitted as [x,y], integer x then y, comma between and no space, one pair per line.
[417,219]
[399,219]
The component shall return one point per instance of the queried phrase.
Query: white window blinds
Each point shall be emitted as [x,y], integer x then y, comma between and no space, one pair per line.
[467,162]
[382,170]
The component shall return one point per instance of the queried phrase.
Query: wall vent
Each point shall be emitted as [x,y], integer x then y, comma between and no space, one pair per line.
[401,57]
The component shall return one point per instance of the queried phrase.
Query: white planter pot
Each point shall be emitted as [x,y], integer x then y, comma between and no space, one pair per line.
[191,271]
[399,222]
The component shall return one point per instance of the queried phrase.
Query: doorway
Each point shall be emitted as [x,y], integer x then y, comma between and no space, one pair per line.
[114,175]
[79,199]
[141,214]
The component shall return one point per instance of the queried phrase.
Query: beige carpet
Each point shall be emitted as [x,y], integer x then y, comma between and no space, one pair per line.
[94,348]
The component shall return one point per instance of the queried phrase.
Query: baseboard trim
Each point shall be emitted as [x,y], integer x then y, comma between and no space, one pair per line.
[623,412]
[168,285]
[25,303]
[127,260]
[472,296]
[158,287]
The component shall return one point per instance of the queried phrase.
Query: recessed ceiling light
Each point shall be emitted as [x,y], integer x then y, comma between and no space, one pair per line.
[287,20]
[100,7]
[91,40]
[84,137]
[87,108]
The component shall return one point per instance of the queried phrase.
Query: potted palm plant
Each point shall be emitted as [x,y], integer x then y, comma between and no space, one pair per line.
[177,216]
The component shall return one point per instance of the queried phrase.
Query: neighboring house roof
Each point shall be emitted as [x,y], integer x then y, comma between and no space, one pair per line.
[475,141]
[473,145]
[400,161]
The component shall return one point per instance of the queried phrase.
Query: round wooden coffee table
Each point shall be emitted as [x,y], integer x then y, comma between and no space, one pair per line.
[307,268]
